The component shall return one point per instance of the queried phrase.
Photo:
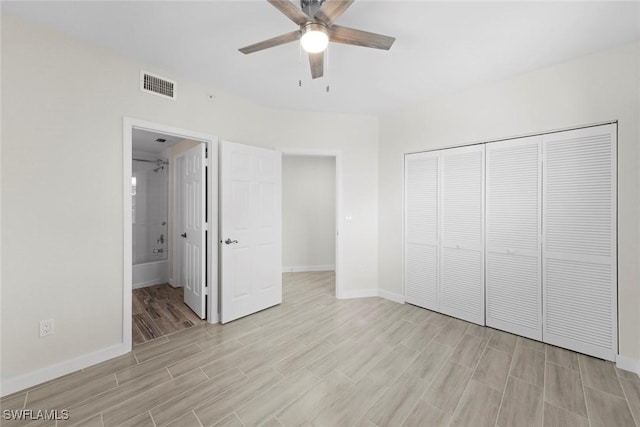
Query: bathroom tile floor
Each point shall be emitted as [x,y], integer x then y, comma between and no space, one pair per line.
[318,361]
[159,310]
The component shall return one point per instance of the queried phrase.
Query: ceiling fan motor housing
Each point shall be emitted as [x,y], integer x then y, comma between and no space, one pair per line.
[310,7]
[316,28]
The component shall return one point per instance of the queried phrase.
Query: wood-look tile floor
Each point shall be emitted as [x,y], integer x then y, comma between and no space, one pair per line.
[160,310]
[318,361]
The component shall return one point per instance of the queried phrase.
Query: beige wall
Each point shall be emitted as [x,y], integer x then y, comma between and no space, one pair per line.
[63,104]
[308,211]
[592,89]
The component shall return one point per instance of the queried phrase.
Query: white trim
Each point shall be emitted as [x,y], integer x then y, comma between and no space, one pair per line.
[148,283]
[391,296]
[20,382]
[359,293]
[305,268]
[127,232]
[337,154]
[211,142]
[213,306]
[174,284]
[628,364]
[368,293]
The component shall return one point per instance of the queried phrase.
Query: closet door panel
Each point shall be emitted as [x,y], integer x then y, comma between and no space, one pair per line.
[579,241]
[462,233]
[513,222]
[421,230]
[462,274]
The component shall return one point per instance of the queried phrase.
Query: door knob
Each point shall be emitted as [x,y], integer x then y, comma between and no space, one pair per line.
[229,241]
[184,235]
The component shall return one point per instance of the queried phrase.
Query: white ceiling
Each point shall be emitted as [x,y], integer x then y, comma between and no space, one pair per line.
[441,47]
[144,140]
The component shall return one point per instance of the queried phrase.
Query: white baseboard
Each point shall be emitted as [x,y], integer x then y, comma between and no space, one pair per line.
[20,382]
[148,283]
[360,293]
[367,293]
[174,283]
[305,268]
[391,296]
[628,364]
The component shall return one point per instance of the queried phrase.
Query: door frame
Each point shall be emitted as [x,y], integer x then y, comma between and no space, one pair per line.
[211,143]
[337,154]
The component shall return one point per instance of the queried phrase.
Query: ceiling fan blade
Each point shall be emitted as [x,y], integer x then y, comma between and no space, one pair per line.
[352,36]
[331,10]
[291,11]
[276,41]
[316,61]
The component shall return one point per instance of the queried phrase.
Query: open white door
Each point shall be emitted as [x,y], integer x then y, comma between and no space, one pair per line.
[193,235]
[250,229]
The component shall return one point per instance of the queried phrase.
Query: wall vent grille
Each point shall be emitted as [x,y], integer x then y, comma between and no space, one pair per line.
[157,85]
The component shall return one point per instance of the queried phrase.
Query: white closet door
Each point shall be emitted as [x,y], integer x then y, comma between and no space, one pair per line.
[462,233]
[421,230]
[513,270]
[579,240]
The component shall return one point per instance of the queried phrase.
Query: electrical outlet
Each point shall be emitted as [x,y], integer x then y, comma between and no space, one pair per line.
[46,327]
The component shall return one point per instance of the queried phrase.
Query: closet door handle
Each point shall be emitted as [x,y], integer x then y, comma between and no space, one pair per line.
[184,235]
[229,241]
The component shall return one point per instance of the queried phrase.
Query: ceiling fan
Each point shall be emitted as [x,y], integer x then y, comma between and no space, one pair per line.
[316,20]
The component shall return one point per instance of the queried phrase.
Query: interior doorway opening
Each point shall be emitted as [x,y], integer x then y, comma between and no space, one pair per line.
[311,205]
[170,198]
[165,205]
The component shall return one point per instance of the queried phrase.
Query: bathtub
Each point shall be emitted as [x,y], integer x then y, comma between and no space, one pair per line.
[150,273]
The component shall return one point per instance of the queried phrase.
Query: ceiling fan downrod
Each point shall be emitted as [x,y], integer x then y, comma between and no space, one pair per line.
[316,28]
[310,7]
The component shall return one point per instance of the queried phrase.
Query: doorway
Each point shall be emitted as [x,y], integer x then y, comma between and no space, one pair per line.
[312,188]
[165,230]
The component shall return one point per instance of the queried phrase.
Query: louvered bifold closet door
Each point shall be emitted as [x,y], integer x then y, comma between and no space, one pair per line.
[462,233]
[579,240]
[421,230]
[513,265]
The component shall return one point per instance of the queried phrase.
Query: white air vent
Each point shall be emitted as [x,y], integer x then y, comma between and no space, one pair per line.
[157,85]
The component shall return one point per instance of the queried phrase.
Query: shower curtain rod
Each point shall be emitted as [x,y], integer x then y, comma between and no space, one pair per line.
[164,162]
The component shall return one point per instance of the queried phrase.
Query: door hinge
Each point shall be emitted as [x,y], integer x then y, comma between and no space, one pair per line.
[206,153]
[206,226]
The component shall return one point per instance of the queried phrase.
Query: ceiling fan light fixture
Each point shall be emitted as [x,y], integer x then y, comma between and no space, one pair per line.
[314,38]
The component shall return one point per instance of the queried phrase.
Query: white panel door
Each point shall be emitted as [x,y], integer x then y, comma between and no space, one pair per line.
[421,230]
[579,240]
[193,195]
[250,229]
[513,241]
[462,233]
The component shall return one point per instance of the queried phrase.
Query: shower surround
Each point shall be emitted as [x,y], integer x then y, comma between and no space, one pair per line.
[149,192]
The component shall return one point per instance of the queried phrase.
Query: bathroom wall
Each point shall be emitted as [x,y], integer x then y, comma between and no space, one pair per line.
[150,210]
